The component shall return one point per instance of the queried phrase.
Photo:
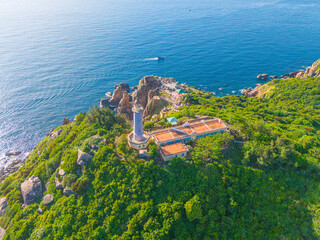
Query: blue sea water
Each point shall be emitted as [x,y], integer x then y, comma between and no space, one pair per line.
[59,57]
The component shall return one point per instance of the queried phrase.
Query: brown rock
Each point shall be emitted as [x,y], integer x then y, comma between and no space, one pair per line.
[67,192]
[83,158]
[125,106]
[124,86]
[145,85]
[262,76]
[65,121]
[116,96]
[154,106]
[2,233]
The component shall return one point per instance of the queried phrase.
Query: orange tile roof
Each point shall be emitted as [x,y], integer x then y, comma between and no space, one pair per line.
[163,136]
[214,124]
[199,127]
[173,149]
[186,128]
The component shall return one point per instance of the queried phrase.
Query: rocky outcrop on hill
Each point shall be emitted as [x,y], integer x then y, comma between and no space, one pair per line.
[155,105]
[48,199]
[31,190]
[3,205]
[68,192]
[125,106]
[313,71]
[83,158]
[116,96]
[124,87]
[65,121]
[145,85]
[251,92]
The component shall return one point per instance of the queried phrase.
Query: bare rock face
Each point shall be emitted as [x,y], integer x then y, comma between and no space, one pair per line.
[2,232]
[273,76]
[65,121]
[250,92]
[55,134]
[154,106]
[262,76]
[58,183]
[83,158]
[40,211]
[125,106]
[116,96]
[67,192]
[145,85]
[124,86]
[48,199]
[31,190]
[313,71]
[61,172]
[3,205]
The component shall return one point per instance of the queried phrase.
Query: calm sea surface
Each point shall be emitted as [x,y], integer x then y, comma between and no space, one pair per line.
[59,57]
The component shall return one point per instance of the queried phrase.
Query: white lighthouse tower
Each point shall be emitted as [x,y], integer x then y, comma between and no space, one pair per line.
[138,139]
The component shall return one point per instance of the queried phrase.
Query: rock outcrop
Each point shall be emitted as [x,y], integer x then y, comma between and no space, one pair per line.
[83,158]
[124,87]
[252,92]
[3,205]
[145,85]
[65,121]
[125,106]
[155,105]
[13,167]
[68,192]
[8,154]
[313,71]
[262,76]
[48,199]
[31,190]
[116,96]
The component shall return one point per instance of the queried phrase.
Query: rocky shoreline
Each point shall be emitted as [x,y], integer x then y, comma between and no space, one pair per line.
[312,71]
[13,167]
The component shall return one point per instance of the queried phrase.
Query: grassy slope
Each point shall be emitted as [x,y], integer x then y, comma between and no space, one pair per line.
[269,195]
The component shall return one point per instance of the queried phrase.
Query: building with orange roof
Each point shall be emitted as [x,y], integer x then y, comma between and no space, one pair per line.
[173,150]
[192,130]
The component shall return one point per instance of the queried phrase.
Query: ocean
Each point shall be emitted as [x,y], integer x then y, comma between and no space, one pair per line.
[60,57]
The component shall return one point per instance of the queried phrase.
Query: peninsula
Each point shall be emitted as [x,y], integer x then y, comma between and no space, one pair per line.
[164,160]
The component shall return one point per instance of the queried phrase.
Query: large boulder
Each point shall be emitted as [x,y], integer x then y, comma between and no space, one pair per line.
[145,85]
[3,205]
[252,92]
[262,76]
[48,199]
[124,86]
[125,106]
[83,158]
[67,192]
[116,96]
[31,190]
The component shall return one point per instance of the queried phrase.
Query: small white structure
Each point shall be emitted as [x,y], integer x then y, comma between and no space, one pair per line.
[138,139]
[173,150]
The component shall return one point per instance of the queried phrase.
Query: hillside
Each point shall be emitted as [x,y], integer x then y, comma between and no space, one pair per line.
[265,188]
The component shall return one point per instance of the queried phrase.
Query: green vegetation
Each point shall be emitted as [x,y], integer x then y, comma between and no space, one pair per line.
[261,181]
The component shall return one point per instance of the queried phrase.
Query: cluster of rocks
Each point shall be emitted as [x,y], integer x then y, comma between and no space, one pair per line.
[313,71]
[252,92]
[147,93]
[12,167]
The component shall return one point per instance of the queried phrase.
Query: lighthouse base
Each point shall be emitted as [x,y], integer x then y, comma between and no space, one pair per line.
[142,143]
